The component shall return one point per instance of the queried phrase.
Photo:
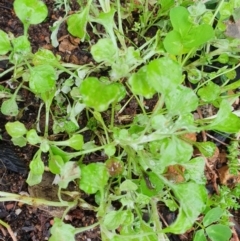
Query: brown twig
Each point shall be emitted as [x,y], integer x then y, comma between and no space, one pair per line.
[214,176]
[204,136]
[9,230]
[212,137]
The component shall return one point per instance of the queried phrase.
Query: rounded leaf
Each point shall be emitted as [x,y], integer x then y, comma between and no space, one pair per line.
[100,95]
[76,142]
[30,11]
[5,44]
[9,107]
[42,79]
[77,23]
[181,100]
[43,56]
[140,83]
[37,166]
[32,137]
[212,216]
[94,177]
[164,74]
[55,163]
[104,50]
[219,232]
[16,129]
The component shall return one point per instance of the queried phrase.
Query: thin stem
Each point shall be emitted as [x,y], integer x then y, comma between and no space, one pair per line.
[31,201]
[80,230]
[225,72]
[216,12]
[47,110]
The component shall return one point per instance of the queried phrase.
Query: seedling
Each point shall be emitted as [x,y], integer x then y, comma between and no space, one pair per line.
[213,230]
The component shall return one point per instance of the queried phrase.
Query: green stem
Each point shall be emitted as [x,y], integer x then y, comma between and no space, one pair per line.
[216,12]
[156,220]
[32,201]
[225,72]
[47,111]
[80,230]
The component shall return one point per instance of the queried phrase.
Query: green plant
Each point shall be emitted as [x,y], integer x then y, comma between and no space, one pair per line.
[211,229]
[169,68]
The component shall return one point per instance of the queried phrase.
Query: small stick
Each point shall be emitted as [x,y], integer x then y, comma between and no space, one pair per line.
[212,137]
[9,230]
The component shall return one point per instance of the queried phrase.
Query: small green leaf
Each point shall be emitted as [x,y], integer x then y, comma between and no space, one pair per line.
[223,58]
[185,35]
[76,141]
[128,186]
[16,129]
[21,49]
[159,122]
[37,165]
[181,100]
[166,4]
[5,45]
[180,20]
[140,84]
[44,146]
[94,177]
[10,107]
[200,236]
[42,79]
[19,141]
[110,150]
[33,179]
[226,121]
[69,172]
[30,11]
[142,232]
[206,148]
[32,137]
[197,36]
[195,170]
[55,164]
[219,232]
[77,23]
[210,92]
[70,127]
[197,9]
[100,95]
[62,231]
[107,20]
[212,216]
[21,45]
[104,50]
[45,56]
[174,151]
[114,219]
[159,76]
[173,43]
[64,155]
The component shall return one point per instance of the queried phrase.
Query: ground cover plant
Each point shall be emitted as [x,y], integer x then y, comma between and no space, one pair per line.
[179,70]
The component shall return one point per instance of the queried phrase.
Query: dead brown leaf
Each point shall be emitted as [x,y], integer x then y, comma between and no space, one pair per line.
[233,29]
